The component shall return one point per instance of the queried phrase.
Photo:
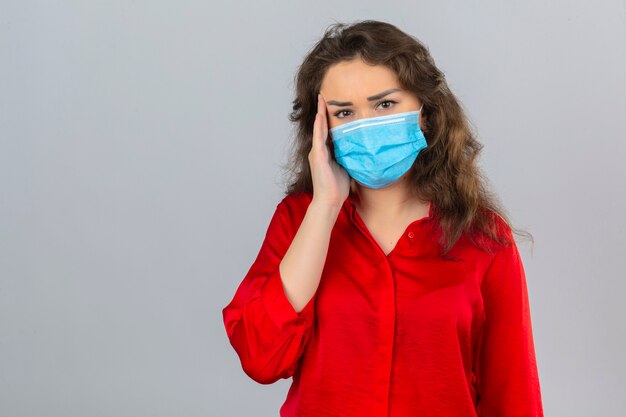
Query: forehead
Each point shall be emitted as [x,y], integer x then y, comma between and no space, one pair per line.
[356,78]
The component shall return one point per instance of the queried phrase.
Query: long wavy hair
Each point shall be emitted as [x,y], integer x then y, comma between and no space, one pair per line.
[446,171]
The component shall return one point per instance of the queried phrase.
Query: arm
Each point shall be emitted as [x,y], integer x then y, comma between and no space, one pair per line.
[507,381]
[270,318]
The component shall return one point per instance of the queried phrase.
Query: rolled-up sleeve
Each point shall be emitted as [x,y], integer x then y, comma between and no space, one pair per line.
[507,379]
[263,327]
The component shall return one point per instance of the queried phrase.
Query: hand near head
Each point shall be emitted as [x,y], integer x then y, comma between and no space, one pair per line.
[331,182]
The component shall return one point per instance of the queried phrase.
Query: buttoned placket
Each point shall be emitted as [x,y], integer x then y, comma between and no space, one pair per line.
[387,321]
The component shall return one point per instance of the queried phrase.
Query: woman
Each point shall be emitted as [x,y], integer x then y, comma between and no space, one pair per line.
[389,282]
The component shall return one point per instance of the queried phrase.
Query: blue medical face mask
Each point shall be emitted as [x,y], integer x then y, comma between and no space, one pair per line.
[376,151]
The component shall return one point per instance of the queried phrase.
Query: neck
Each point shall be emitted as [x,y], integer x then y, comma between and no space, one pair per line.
[392,202]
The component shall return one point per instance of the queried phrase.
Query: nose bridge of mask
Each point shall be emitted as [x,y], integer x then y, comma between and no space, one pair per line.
[374,122]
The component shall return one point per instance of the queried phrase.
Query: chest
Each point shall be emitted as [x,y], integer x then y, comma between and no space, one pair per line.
[387,236]
[388,233]
[403,284]
[413,291]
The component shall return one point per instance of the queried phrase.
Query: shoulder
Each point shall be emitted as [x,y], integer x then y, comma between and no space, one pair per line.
[297,200]
[505,252]
[295,205]
[500,235]
[503,229]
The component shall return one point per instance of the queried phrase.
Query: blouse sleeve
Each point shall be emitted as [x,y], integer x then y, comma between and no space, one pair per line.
[507,381]
[266,331]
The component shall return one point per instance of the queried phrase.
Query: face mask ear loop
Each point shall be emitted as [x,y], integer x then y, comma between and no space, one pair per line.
[420,110]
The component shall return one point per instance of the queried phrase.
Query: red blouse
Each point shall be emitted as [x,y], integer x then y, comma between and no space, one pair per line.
[405,334]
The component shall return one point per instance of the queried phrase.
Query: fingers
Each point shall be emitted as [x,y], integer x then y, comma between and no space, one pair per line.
[320,127]
[316,127]
[321,109]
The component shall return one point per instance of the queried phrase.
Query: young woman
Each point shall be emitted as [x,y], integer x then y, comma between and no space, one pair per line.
[389,282]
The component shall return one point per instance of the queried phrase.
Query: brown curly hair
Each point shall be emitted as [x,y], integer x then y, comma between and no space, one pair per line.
[445,172]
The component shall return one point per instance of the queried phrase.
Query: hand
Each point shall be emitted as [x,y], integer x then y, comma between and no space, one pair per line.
[331,182]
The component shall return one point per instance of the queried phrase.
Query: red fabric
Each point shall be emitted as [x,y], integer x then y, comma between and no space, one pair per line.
[407,334]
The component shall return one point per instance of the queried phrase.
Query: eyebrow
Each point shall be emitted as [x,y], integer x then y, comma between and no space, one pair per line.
[372,98]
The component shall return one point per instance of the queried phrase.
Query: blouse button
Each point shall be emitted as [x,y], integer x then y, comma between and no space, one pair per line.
[410,234]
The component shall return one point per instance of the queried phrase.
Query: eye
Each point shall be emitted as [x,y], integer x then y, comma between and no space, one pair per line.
[338,113]
[387,101]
